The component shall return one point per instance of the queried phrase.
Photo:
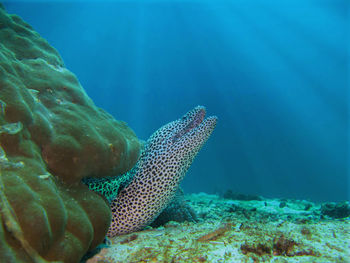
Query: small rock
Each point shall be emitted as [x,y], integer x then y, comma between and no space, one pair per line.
[336,210]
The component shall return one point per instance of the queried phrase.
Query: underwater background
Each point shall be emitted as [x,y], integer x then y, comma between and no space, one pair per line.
[276,73]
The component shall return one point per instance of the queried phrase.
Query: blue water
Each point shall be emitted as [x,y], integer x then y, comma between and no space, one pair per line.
[276,73]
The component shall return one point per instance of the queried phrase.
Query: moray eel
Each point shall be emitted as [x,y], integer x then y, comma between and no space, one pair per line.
[155,178]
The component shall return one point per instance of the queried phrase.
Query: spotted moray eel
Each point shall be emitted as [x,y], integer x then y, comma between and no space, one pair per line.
[167,155]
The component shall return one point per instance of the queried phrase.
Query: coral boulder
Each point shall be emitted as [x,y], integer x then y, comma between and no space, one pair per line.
[51,136]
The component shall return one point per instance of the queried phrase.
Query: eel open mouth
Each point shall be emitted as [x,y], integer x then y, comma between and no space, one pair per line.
[194,121]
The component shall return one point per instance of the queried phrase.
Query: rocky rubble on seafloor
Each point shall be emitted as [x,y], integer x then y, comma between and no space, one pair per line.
[51,136]
[251,229]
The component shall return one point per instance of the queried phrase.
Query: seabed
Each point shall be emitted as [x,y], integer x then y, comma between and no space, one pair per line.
[263,230]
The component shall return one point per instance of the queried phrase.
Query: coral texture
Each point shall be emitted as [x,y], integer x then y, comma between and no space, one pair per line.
[51,136]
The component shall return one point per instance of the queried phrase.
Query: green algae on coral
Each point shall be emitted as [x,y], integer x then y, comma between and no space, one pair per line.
[11,128]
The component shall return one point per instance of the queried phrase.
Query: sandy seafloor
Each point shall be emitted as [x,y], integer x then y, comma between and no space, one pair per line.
[266,230]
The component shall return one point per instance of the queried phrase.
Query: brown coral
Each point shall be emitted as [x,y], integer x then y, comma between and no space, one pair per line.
[283,246]
[258,249]
[51,136]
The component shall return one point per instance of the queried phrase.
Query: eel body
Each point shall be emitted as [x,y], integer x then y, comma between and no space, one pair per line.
[163,163]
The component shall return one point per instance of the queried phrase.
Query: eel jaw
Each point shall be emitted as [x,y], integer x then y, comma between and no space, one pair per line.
[194,127]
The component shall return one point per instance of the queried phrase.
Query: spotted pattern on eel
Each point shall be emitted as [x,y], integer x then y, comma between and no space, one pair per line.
[167,155]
